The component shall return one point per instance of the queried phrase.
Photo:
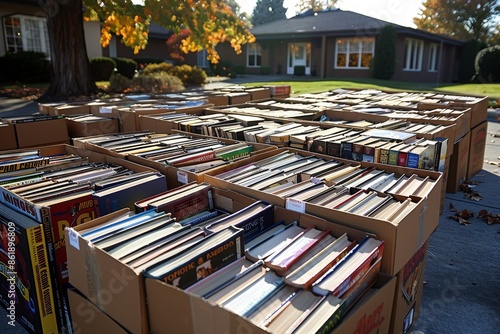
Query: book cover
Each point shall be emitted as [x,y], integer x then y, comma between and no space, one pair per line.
[253,219]
[209,255]
[123,196]
[394,154]
[384,153]
[26,282]
[238,152]
[440,154]
[282,261]
[325,317]
[187,203]
[403,155]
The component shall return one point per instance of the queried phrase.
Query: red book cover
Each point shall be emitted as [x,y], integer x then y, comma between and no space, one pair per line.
[402,158]
[282,261]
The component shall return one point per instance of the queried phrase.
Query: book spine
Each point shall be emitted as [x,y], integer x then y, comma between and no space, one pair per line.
[253,226]
[393,157]
[413,160]
[244,152]
[28,164]
[334,149]
[346,150]
[43,279]
[59,302]
[402,159]
[189,205]
[357,152]
[384,156]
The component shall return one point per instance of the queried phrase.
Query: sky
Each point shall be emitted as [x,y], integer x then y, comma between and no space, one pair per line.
[400,12]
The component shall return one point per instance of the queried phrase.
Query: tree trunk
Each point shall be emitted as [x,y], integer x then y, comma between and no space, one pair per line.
[70,68]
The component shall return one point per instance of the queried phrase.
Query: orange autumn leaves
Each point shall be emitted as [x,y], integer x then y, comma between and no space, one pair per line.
[210,22]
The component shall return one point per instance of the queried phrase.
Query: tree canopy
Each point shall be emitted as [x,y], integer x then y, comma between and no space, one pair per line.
[209,21]
[315,5]
[462,19]
[267,11]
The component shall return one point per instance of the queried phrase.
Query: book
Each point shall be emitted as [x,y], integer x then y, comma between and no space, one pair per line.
[143,204]
[230,286]
[291,315]
[184,204]
[253,219]
[418,157]
[27,282]
[282,261]
[318,263]
[222,277]
[383,156]
[207,256]
[254,295]
[125,195]
[273,242]
[323,318]
[350,269]
[272,305]
[394,153]
[440,153]
[395,135]
[403,155]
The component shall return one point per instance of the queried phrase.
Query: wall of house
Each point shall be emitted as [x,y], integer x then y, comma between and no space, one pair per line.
[92,38]
[156,48]
[332,72]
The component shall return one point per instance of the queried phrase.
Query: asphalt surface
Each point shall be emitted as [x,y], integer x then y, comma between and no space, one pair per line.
[462,278]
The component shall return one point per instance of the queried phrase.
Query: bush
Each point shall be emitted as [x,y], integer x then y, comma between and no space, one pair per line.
[156,68]
[102,68]
[299,70]
[126,66]
[467,69]
[119,83]
[265,70]
[488,64]
[384,63]
[240,69]
[25,67]
[159,82]
[224,69]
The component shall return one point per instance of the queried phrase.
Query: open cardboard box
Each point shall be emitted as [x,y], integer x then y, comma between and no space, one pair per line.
[402,238]
[171,310]
[113,287]
[40,133]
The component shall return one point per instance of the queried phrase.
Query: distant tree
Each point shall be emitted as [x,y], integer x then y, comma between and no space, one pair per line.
[315,5]
[268,10]
[467,69]
[487,64]
[462,19]
[384,62]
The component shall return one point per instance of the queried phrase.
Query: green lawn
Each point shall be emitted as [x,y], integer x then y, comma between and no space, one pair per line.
[320,85]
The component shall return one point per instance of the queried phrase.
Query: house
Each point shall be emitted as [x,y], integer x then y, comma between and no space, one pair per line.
[337,43]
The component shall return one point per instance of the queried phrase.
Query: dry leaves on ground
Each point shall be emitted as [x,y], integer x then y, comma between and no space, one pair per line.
[461,216]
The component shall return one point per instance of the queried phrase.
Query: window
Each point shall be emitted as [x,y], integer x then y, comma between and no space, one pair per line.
[201,59]
[414,50]
[254,55]
[354,52]
[26,33]
[433,58]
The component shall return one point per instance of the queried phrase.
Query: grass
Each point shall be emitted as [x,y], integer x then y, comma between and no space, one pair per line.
[320,85]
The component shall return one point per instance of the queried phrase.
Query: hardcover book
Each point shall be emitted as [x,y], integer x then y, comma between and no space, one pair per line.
[207,256]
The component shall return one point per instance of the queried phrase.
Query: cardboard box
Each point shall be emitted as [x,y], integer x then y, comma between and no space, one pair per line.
[477,148]
[279,90]
[409,291]
[70,109]
[113,287]
[258,93]
[92,128]
[88,318]
[457,171]
[41,133]
[8,135]
[188,313]
[402,239]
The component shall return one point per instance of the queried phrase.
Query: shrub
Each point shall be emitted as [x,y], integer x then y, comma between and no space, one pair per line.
[126,66]
[223,69]
[488,64]
[467,69]
[384,63]
[119,83]
[158,82]
[299,70]
[197,76]
[160,67]
[240,69]
[102,68]
[265,70]
[25,67]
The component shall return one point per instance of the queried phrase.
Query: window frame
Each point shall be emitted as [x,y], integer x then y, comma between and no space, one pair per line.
[254,50]
[201,59]
[360,41]
[415,48]
[42,32]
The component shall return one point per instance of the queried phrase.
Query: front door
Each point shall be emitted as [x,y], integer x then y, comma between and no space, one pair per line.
[299,54]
